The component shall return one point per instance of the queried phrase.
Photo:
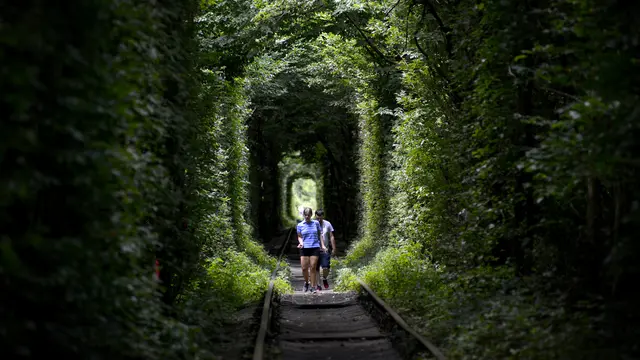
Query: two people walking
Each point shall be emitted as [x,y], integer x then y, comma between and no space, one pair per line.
[316,243]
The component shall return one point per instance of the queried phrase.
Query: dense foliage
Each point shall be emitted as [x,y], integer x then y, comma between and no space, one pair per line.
[511,171]
[482,151]
[495,160]
[121,143]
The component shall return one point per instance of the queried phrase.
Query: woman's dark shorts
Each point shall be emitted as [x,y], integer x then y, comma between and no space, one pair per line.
[310,251]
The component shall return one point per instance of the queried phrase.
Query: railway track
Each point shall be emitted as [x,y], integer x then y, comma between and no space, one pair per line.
[333,325]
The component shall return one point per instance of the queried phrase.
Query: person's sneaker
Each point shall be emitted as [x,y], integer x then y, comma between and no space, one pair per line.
[306,287]
[319,288]
[313,290]
[325,283]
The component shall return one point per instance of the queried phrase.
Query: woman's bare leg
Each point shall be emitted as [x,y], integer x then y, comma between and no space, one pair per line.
[304,262]
[318,272]
[314,263]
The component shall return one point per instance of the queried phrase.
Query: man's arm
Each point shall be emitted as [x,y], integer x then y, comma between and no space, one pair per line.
[333,243]
[320,237]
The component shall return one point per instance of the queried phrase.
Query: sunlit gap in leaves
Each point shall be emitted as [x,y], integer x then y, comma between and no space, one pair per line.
[303,194]
[301,186]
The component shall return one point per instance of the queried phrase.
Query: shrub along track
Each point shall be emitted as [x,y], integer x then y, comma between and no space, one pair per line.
[333,325]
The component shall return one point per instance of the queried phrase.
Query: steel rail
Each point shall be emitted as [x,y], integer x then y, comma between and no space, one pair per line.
[400,321]
[265,320]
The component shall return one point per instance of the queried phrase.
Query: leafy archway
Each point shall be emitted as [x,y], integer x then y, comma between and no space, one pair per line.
[302,194]
[292,169]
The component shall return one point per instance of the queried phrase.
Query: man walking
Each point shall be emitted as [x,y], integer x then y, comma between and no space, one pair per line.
[329,242]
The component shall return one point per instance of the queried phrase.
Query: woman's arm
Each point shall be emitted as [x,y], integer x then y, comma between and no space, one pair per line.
[300,242]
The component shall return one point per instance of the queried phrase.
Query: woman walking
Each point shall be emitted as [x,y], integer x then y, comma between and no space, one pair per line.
[309,233]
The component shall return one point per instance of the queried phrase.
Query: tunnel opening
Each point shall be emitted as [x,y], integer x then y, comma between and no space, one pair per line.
[303,195]
[300,129]
[280,172]
[301,186]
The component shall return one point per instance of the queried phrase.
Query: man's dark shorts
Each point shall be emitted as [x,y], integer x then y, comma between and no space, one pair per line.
[310,251]
[325,260]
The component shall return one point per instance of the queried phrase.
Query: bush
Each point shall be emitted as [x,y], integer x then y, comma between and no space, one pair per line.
[91,93]
[235,279]
[403,276]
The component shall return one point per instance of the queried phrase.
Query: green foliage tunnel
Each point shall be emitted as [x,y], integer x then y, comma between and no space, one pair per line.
[478,157]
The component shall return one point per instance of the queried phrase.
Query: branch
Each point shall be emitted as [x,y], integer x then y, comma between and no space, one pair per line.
[369,42]
[415,39]
[558,92]
[391,9]
[443,28]
[434,67]
[406,29]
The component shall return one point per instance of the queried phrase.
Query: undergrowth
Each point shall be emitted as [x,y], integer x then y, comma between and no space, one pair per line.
[480,313]
[228,283]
